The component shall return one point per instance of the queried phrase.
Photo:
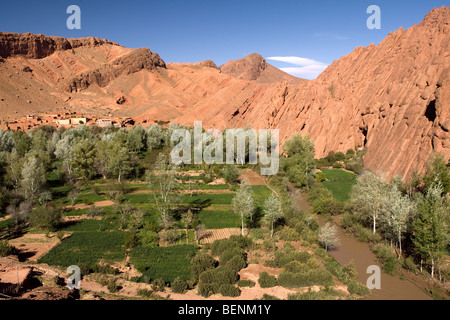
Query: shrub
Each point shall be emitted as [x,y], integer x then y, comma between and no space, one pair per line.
[60,234]
[6,249]
[266,280]
[358,288]
[305,278]
[282,257]
[94,211]
[295,266]
[409,264]
[288,234]
[46,218]
[387,258]
[211,280]
[229,290]
[246,283]
[179,286]
[230,174]
[201,263]
[112,286]
[230,253]
[159,285]
[144,293]
[236,263]
[131,239]
[148,237]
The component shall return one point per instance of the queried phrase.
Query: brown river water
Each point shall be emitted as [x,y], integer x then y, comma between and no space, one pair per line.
[392,288]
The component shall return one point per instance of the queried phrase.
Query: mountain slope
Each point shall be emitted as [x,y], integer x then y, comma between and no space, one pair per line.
[392,98]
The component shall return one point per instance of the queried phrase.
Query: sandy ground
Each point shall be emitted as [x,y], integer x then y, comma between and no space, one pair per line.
[34,246]
[98,204]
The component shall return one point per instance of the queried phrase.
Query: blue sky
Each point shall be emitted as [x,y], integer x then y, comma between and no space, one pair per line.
[189,31]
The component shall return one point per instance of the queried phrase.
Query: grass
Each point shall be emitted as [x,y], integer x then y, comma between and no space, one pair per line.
[339,182]
[163,262]
[219,219]
[6,223]
[260,194]
[87,248]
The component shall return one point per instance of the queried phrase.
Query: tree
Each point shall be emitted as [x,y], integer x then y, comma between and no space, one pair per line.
[243,203]
[328,236]
[272,211]
[14,163]
[437,171]
[84,154]
[33,177]
[396,213]
[47,218]
[230,174]
[154,137]
[300,165]
[187,218]
[164,185]
[21,212]
[64,152]
[136,138]
[119,161]
[367,196]
[431,234]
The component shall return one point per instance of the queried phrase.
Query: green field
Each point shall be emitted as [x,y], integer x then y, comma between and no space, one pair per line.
[219,219]
[339,182]
[87,248]
[164,262]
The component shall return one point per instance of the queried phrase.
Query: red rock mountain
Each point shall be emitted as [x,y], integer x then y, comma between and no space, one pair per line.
[393,98]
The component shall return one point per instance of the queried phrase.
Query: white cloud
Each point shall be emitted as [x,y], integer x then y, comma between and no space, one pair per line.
[307,68]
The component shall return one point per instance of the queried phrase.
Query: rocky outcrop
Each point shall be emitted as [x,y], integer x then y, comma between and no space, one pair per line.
[248,68]
[393,99]
[37,46]
[133,62]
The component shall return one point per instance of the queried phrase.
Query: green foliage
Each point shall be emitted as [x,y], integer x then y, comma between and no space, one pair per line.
[230,174]
[305,278]
[266,280]
[167,263]
[179,285]
[159,285]
[300,165]
[246,283]
[6,249]
[200,263]
[229,290]
[288,234]
[112,286]
[387,258]
[148,237]
[46,218]
[87,248]
[358,288]
[339,182]
[211,280]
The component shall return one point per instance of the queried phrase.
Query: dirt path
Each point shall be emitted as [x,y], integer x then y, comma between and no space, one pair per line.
[255,179]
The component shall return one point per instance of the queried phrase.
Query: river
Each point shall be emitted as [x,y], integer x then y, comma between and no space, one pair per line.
[392,288]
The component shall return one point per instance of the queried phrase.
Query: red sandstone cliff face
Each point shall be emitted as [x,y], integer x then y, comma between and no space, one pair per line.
[392,98]
[37,46]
